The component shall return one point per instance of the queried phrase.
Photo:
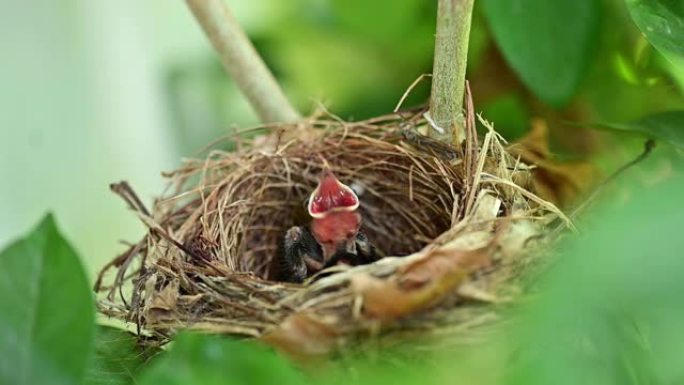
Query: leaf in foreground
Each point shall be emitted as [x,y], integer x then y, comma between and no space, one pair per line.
[610,311]
[46,311]
[117,358]
[208,360]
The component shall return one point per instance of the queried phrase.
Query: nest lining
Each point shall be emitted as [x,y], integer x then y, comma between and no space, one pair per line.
[461,220]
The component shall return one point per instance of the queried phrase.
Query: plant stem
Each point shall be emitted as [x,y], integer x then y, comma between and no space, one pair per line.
[242,61]
[449,67]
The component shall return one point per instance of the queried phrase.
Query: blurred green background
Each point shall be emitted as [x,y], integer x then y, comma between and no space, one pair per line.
[92,92]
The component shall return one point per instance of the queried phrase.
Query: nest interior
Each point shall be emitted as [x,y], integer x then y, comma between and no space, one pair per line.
[245,203]
[205,261]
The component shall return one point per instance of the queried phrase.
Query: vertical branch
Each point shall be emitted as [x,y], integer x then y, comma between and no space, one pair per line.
[242,61]
[448,73]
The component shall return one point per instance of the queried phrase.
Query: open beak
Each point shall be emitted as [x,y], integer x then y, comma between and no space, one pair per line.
[331,195]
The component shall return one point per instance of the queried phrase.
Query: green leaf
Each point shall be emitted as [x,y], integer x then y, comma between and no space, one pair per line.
[549,44]
[610,310]
[662,21]
[46,311]
[117,357]
[213,360]
[667,126]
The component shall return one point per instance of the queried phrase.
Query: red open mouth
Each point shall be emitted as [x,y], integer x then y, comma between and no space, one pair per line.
[331,195]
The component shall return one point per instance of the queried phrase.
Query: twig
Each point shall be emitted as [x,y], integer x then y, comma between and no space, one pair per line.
[124,190]
[116,262]
[648,147]
[472,146]
[448,73]
[242,61]
[409,89]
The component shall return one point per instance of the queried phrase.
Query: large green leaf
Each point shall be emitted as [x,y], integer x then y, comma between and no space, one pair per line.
[548,43]
[662,21]
[212,360]
[117,358]
[667,126]
[46,311]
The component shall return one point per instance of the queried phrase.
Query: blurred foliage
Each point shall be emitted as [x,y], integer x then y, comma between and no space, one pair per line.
[359,63]
[609,308]
[198,102]
[206,360]
[511,109]
[666,126]
[548,43]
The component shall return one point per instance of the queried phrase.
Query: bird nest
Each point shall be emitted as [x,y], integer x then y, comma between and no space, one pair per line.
[457,226]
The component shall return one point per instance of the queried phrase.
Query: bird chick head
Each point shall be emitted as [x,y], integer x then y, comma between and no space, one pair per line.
[336,221]
[331,196]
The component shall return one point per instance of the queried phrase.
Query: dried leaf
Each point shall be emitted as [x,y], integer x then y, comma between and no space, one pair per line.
[560,183]
[302,336]
[418,285]
[486,210]
[163,302]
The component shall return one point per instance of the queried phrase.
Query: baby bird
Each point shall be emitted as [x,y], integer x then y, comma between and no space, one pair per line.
[332,237]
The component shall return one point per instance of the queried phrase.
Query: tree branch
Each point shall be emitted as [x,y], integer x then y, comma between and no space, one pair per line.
[242,61]
[449,67]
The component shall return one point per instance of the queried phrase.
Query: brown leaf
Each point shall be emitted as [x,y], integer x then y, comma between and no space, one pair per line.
[560,183]
[163,302]
[302,336]
[418,285]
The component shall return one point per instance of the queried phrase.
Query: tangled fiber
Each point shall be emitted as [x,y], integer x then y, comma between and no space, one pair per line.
[458,226]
